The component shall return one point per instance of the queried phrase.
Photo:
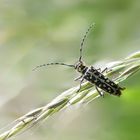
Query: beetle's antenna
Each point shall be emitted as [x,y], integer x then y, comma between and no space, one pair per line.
[83,40]
[43,65]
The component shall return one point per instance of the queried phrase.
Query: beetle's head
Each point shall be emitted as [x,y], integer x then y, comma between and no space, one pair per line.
[80,67]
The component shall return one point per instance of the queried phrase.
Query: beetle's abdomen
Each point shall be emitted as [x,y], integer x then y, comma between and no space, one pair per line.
[95,77]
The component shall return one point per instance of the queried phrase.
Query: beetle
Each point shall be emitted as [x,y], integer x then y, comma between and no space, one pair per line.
[91,74]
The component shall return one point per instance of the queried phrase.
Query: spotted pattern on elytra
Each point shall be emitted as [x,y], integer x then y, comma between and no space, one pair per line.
[95,77]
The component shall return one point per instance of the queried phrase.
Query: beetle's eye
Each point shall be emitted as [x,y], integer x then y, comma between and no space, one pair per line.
[79,69]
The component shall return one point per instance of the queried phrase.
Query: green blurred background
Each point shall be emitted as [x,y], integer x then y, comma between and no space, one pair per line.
[34,32]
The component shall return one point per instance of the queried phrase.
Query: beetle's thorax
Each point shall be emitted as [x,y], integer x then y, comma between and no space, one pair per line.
[80,67]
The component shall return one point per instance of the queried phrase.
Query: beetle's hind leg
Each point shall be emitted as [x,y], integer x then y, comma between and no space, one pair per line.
[122,88]
[100,93]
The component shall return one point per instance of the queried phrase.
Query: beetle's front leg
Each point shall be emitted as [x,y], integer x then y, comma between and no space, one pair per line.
[78,78]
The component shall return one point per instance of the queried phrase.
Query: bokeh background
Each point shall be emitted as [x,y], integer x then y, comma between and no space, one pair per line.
[33,32]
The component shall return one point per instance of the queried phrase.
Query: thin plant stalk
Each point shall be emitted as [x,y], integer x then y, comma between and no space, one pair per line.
[119,71]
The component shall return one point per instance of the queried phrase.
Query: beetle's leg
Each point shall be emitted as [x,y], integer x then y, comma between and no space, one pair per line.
[100,93]
[106,70]
[78,78]
[80,84]
[122,88]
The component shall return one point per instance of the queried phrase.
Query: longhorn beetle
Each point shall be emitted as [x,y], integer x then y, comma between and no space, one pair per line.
[90,74]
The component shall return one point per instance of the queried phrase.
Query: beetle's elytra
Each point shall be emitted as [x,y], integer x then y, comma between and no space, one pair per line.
[92,75]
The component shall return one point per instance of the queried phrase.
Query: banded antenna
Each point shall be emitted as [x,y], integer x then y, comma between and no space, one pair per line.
[81,49]
[43,65]
[83,40]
